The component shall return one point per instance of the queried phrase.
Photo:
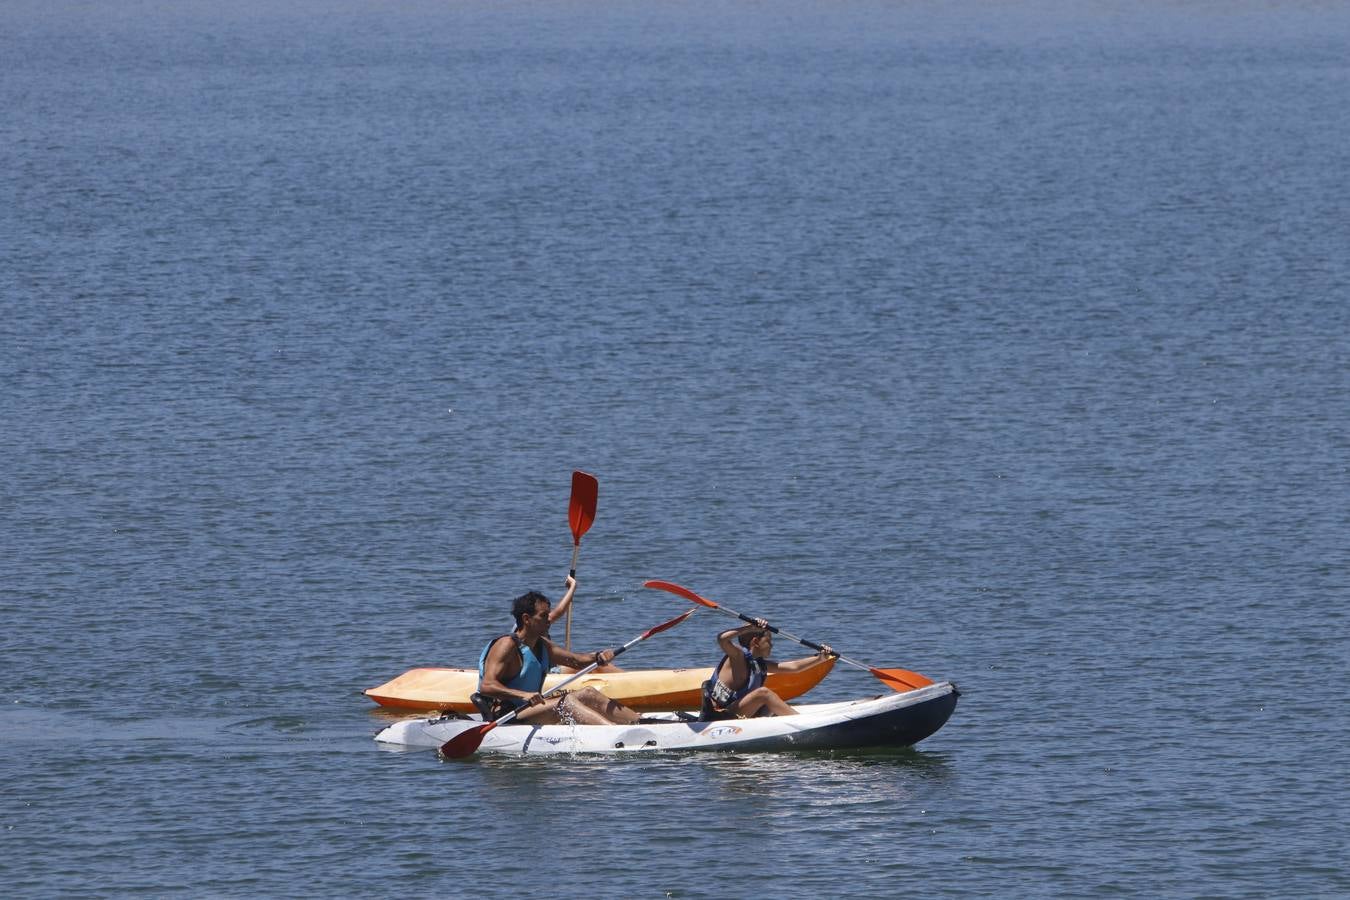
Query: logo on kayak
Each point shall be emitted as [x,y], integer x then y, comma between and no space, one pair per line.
[721,731]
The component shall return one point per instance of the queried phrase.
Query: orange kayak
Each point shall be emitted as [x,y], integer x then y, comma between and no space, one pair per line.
[646,690]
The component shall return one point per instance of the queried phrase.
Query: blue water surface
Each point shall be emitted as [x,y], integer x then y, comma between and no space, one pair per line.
[1005,342]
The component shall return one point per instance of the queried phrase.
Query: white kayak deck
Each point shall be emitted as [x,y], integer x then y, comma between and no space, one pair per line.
[889,720]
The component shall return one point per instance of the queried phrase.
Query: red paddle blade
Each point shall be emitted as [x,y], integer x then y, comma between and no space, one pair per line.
[464,743]
[900,680]
[581,511]
[679,592]
[664,625]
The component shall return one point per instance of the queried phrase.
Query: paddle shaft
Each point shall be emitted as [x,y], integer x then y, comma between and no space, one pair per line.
[704,601]
[792,637]
[553,690]
[572,573]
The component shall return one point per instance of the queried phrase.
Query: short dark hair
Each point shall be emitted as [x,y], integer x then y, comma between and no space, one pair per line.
[748,637]
[524,605]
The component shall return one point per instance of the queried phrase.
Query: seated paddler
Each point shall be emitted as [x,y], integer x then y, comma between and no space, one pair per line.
[737,689]
[512,668]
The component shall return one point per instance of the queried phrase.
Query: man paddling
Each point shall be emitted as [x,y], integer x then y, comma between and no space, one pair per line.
[736,689]
[512,668]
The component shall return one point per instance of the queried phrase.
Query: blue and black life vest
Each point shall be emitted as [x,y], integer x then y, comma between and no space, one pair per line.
[534,664]
[715,701]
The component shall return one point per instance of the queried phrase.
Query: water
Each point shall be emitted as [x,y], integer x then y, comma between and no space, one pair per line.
[1003,342]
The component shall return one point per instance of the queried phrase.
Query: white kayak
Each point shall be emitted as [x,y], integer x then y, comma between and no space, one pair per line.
[890,720]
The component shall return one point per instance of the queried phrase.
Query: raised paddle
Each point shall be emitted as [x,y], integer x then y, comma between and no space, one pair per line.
[580,515]
[898,680]
[466,742]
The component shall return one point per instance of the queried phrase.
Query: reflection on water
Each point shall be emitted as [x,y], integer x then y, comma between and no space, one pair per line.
[853,778]
[39,725]
[19,726]
[285,724]
[848,778]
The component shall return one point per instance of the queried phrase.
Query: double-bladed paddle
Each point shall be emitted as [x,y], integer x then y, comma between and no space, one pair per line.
[580,515]
[467,741]
[898,680]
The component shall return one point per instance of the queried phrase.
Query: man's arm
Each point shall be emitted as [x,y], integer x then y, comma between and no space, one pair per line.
[735,658]
[797,665]
[563,657]
[560,610]
[497,671]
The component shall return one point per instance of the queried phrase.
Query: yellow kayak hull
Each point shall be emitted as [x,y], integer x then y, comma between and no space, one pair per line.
[646,690]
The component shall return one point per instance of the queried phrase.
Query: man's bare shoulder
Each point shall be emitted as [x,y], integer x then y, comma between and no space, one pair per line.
[502,645]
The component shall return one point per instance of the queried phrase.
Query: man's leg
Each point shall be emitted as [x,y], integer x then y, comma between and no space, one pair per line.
[762,701]
[590,707]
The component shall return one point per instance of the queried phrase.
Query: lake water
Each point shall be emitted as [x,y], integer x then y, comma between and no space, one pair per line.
[1006,342]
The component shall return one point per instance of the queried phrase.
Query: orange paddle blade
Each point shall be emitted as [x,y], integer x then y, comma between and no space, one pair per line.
[664,625]
[900,680]
[465,742]
[581,511]
[679,592]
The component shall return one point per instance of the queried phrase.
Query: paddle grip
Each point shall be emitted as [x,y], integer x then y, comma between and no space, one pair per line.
[744,618]
[774,629]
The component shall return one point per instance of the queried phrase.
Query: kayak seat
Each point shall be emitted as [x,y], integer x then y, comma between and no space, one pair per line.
[484,705]
[668,718]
